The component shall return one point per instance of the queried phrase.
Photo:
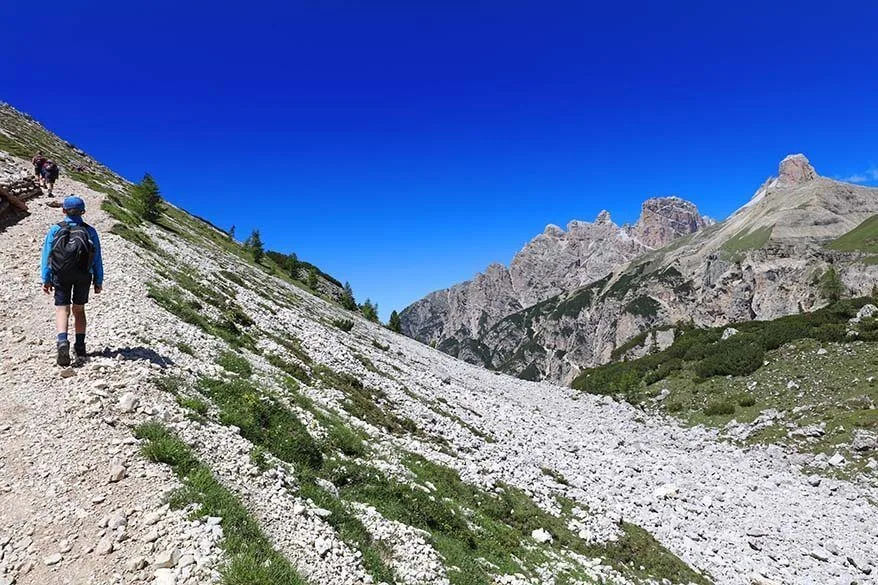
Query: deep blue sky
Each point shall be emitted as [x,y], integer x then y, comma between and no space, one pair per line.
[405,145]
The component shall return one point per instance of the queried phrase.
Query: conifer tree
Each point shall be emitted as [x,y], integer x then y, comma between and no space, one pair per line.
[146,199]
[231,233]
[370,310]
[831,286]
[254,246]
[293,265]
[394,324]
[312,279]
[347,298]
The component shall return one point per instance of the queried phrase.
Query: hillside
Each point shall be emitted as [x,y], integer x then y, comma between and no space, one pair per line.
[764,262]
[232,427]
[805,382]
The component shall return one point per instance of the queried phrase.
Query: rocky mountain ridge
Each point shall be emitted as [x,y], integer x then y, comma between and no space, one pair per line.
[764,262]
[551,263]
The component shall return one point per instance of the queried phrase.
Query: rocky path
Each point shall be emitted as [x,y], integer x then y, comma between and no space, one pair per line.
[77,504]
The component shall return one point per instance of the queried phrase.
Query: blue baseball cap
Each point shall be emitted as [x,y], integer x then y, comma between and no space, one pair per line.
[73,203]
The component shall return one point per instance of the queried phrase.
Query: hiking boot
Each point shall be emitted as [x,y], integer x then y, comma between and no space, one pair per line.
[64,353]
[79,350]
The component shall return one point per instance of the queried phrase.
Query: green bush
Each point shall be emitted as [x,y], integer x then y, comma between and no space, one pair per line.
[783,331]
[344,324]
[739,355]
[831,332]
[719,408]
[746,401]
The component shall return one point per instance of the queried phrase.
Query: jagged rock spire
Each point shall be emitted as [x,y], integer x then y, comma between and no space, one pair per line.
[795,169]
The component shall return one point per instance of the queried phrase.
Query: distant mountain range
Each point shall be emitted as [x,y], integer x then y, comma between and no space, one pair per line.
[575,299]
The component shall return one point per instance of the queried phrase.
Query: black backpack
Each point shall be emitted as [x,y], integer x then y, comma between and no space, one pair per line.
[72,251]
[50,169]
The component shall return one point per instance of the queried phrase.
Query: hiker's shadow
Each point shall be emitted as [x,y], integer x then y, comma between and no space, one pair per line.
[136,354]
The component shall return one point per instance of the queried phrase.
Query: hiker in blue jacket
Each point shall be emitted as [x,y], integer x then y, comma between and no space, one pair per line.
[70,265]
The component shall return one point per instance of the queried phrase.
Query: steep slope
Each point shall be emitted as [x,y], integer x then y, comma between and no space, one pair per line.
[553,262]
[331,451]
[764,262]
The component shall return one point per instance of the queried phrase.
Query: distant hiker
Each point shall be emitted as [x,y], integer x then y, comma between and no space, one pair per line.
[71,263]
[39,160]
[50,175]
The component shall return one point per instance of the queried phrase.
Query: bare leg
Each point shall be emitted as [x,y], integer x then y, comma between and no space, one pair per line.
[79,320]
[62,316]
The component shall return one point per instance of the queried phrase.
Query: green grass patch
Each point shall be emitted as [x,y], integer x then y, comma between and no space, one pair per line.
[294,370]
[748,240]
[134,236]
[251,558]
[263,421]
[189,310]
[272,427]
[368,404]
[236,363]
[863,238]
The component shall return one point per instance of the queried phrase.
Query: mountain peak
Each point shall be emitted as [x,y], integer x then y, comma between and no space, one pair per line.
[796,169]
[603,217]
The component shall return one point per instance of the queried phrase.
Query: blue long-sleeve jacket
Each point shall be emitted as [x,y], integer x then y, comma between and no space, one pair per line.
[97,267]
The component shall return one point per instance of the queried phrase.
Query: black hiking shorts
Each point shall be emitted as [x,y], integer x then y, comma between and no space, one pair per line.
[71,289]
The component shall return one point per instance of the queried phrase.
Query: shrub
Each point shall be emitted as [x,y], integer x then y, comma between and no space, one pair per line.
[344,324]
[783,331]
[643,306]
[831,332]
[737,356]
[746,401]
[675,406]
[719,408]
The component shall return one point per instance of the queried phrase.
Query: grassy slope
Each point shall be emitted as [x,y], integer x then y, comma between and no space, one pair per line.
[776,366]
[863,238]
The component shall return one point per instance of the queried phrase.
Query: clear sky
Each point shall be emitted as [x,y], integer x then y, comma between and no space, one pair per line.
[403,146]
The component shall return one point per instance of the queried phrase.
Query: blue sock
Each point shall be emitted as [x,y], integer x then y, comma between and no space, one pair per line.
[62,337]
[80,338]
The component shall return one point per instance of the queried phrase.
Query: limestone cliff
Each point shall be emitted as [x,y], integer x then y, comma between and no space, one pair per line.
[553,262]
[764,262]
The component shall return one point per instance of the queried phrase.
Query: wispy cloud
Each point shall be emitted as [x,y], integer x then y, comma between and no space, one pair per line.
[867,176]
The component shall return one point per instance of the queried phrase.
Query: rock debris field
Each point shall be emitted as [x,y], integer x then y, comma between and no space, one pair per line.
[80,504]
